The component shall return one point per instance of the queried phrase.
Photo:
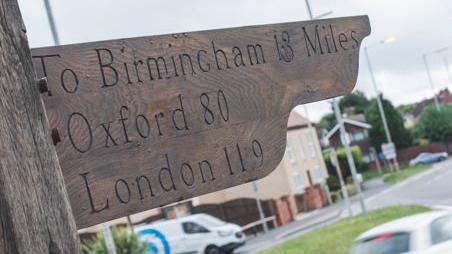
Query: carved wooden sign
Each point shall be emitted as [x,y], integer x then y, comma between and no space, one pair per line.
[148,121]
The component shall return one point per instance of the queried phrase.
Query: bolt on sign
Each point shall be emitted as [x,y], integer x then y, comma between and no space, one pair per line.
[144,122]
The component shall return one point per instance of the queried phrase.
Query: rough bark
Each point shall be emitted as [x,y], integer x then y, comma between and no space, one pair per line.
[35,214]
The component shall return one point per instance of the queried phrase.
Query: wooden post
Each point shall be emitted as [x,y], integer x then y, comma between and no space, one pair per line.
[35,214]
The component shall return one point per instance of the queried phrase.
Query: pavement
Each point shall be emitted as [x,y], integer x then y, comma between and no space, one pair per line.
[429,188]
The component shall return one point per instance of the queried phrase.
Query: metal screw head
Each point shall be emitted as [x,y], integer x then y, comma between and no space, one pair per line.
[42,85]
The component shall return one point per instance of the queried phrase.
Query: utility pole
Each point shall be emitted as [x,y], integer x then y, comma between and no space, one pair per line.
[348,152]
[379,102]
[35,212]
[56,38]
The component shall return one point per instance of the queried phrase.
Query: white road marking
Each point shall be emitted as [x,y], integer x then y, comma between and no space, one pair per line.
[434,170]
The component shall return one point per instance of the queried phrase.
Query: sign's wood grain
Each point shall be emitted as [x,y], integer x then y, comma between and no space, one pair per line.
[148,121]
[35,213]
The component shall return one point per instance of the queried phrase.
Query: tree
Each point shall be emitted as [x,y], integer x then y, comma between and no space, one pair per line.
[327,122]
[435,125]
[407,108]
[400,136]
[354,103]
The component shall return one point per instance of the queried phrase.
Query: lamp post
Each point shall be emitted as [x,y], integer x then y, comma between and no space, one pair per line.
[429,75]
[323,182]
[311,16]
[56,38]
[374,84]
[337,111]
[348,152]
[259,207]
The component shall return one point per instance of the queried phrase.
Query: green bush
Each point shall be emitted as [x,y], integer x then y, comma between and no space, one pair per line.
[341,156]
[336,196]
[333,183]
[125,241]
[351,189]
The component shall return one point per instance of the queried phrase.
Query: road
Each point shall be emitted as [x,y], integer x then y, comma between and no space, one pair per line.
[432,187]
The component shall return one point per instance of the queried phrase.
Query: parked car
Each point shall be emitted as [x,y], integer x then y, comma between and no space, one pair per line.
[426,233]
[426,158]
[199,233]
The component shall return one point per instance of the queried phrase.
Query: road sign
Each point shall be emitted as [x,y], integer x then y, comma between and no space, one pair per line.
[389,150]
[148,121]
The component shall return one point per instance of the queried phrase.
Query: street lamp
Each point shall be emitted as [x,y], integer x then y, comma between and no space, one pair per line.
[374,83]
[55,36]
[310,132]
[311,16]
[337,112]
[424,57]
[351,163]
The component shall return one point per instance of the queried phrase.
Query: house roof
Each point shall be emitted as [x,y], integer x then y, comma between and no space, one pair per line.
[296,121]
[349,121]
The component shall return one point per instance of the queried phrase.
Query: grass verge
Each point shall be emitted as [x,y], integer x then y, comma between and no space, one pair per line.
[405,173]
[338,237]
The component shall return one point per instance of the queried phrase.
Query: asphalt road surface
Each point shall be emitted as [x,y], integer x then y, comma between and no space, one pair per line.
[432,187]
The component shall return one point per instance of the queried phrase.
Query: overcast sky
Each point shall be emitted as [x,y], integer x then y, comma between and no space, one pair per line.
[420,26]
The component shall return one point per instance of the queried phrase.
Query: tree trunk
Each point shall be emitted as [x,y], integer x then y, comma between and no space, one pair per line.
[35,214]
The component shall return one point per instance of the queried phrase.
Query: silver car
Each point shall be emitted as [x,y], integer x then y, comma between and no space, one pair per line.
[428,158]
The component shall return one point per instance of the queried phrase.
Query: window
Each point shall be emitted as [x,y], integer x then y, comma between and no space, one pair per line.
[441,229]
[290,155]
[384,244]
[194,228]
[211,221]
[318,174]
[359,136]
[298,182]
[311,145]
[302,155]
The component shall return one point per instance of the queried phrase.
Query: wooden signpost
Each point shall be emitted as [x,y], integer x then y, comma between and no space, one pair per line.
[143,122]
[139,123]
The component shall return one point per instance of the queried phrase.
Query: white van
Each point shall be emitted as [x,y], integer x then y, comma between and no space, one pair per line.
[199,233]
